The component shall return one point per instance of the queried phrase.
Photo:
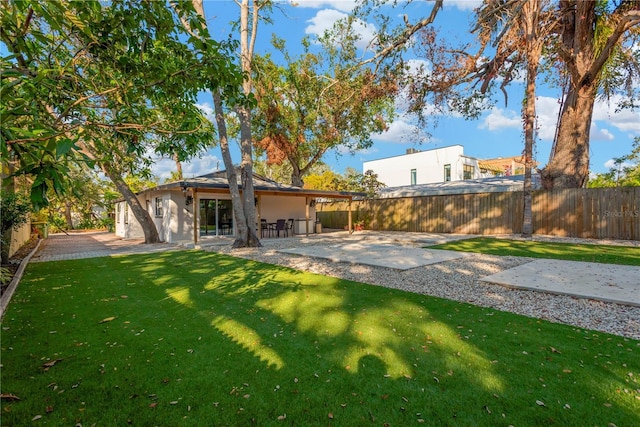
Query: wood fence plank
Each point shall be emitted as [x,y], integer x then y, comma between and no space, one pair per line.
[612,213]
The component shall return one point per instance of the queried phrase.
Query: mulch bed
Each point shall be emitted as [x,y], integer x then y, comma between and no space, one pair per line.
[15,260]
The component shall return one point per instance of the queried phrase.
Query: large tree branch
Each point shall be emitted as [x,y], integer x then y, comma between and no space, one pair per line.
[626,20]
[405,35]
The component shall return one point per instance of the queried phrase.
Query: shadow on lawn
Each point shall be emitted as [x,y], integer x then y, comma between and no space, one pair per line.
[389,344]
[258,342]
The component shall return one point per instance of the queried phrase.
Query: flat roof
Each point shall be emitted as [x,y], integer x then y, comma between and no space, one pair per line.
[467,186]
[418,152]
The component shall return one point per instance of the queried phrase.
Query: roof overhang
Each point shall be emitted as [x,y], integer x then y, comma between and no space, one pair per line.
[204,185]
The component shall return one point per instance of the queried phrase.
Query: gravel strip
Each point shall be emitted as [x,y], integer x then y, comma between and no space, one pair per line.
[457,280]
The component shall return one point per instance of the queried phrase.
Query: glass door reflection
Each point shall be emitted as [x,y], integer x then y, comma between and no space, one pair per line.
[216,217]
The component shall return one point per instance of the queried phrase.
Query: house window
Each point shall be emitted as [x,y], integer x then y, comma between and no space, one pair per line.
[118,211]
[414,175]
[126,213]
[447,173]
[467,172]
[159,206]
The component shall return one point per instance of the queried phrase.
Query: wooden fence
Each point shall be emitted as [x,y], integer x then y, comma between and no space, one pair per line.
[601,213]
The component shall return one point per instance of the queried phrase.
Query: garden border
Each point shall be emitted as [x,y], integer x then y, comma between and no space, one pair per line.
[6,296]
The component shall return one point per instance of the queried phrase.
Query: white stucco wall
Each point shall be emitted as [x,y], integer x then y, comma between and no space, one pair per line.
[181,218]
[127,226]
[273,208]
[176,223]
[278,207]
[429,165]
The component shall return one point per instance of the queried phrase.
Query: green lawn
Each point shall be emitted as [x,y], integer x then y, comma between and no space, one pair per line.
[195,338]
[607,254]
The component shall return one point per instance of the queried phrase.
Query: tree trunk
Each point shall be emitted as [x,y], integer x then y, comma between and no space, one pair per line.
[296,176]
[569,164]
[178,166]
[242,237]
[67,215]
[246,225]
[531,11]
[249,237]
[140,213]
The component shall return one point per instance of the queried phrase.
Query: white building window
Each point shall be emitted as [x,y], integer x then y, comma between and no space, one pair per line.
[159,211]
[467,172]
[126,213]
[414,176]
[118,211]
[447,173]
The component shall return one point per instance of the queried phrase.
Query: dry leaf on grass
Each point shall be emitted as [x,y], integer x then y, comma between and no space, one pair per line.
[107,319]
[9,396]
[50,364]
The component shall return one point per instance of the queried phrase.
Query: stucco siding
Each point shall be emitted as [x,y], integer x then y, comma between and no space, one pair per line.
[180,218]
[278,207]
[425,167]
[429,166]
[127,226]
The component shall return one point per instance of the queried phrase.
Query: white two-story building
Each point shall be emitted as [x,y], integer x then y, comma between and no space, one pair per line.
[436,165]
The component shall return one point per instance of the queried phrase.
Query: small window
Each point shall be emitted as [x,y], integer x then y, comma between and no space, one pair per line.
[126,213]
[159,206]
[118,211]
[467,172]
[447,173]
[414,176]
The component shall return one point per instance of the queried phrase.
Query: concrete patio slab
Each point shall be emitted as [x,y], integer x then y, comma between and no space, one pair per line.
[389,256]
[605,282]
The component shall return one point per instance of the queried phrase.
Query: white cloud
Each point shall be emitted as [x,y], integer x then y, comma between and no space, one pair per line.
[323,21]
[343,5]
[343,150]
[418,67]
[625,120]
[596,134]
[501,119]
[547,116]
[207,163]
[207,109]
[464,4]
[399,132]
[611,164]
[326,18]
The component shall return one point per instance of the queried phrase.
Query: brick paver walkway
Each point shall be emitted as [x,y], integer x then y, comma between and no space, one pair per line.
[59,247]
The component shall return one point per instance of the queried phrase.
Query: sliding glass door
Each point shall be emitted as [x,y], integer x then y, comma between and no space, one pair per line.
[216,217]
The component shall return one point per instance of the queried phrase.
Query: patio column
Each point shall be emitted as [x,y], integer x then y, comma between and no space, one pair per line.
[258,197]
[306,222]
[196,213]
[350,222]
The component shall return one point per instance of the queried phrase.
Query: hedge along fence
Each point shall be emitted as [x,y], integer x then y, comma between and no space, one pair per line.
[602,213]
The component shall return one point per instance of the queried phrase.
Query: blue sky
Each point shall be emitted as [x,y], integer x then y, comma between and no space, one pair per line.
[497,133]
